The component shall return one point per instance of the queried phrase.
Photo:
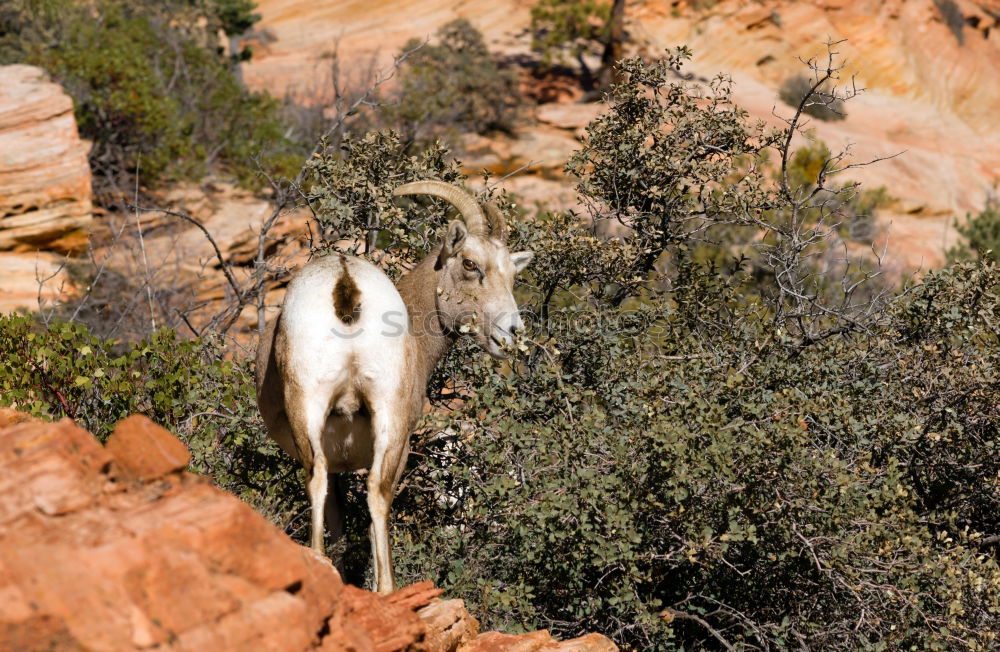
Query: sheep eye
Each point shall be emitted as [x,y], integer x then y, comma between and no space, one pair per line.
[470,266]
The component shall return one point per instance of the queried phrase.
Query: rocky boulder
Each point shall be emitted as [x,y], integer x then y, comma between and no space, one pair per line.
[118,548]
[44,174]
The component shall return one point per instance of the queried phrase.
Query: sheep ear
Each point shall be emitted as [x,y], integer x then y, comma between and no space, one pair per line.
[521,259]
[454,240]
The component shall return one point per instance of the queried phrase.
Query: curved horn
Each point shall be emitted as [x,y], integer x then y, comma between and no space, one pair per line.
[468,207]
[498,225]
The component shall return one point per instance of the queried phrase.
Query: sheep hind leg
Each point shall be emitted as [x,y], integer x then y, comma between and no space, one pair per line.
[318,486]
[336,500]
[307,418]
[390,454]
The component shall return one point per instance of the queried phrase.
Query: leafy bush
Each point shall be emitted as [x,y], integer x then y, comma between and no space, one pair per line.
[356,212]
[653,163]
[821,103]
[724,483]
[150,86]
[453,86]
[186,386]
[981,233]
[690,459]
[573,27]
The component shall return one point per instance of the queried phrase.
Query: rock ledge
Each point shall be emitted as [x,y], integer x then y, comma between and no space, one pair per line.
[117,547]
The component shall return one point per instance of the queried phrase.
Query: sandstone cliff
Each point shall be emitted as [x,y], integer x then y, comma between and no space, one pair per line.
[932,83]
[117,548]
[44,175]
[44,188]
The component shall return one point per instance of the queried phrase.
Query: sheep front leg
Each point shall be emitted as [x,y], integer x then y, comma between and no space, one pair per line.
[387,465]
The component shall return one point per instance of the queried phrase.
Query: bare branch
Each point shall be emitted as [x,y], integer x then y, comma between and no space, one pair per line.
[671,614]
[215,246]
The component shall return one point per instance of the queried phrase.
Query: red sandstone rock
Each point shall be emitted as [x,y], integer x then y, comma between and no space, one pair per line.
[89,562]
[145,451]
[44,188]
[10,417]
[415,596]
[588,643]
[449,625]
[390,626]
[497,642]
[172,563]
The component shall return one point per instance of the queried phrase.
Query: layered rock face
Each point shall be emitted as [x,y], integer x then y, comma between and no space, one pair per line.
[44,174]
[931,74]
[117,548]
[295,35]
[931,71]
[44,188]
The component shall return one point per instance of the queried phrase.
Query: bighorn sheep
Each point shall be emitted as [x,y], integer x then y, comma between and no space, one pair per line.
[342,371]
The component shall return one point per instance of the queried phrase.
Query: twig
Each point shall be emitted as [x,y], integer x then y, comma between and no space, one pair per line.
[142,247]
[41,285]
[684,615]
[98,275]
[218,252]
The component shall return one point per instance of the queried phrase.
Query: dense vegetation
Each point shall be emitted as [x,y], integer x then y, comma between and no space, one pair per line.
[186,385]
[721,431]
[151,86]
[981,233]
[451,86]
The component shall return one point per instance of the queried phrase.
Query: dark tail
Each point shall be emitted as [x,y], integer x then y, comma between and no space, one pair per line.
[346,296]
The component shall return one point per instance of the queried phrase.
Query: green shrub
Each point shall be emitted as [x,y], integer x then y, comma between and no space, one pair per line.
[187,386]
[656,160]
[572,27]
[678,460]
[773,495]
[150,87]
[453,86]
[981,233]
[351,191]
[821,103]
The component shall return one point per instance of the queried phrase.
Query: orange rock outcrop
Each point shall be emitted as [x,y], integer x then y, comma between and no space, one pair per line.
[44,174]
[118,548]
[44,188]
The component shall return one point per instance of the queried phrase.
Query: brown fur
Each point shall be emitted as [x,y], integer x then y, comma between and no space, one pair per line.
[271,393]
[346,296]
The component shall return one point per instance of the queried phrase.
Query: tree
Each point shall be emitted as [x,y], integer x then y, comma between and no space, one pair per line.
[981,233]
[151,87]
[576,27]
[453,85]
